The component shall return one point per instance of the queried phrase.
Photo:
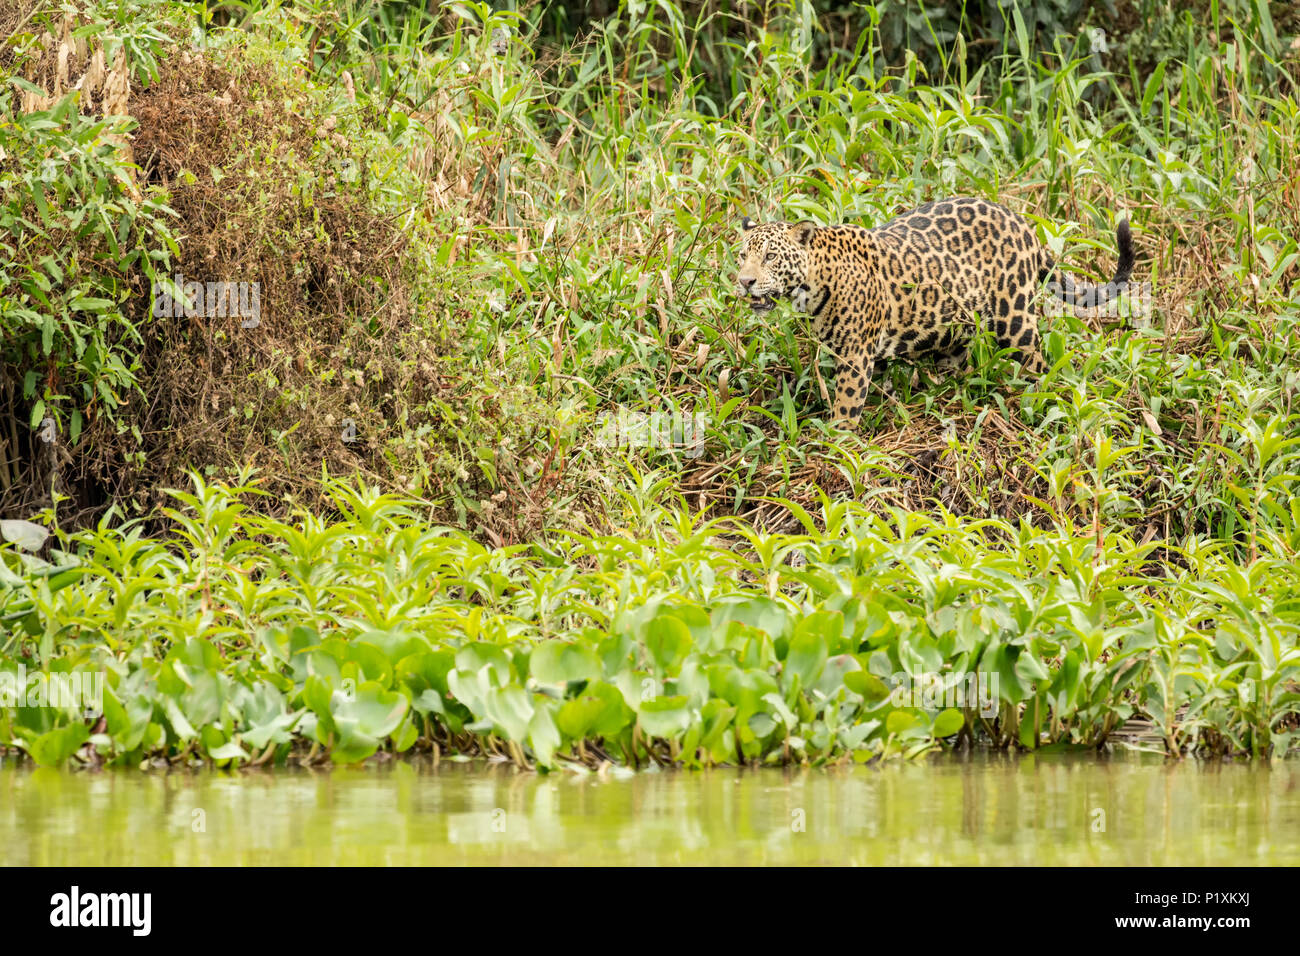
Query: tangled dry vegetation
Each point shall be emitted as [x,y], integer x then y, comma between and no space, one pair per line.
[270,189]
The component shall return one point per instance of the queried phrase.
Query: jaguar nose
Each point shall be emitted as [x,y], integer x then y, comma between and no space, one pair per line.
[745,283]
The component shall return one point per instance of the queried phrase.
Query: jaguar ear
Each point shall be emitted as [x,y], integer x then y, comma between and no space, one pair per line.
[802,231]
[747,224]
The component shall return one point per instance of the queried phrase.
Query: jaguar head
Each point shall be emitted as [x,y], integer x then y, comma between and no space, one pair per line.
[773,261]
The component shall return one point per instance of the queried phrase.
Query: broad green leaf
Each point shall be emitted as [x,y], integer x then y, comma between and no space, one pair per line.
[54,748]
[948,722]
[807,655]
[558,662]
[664,717]
[25,534]
[668,641]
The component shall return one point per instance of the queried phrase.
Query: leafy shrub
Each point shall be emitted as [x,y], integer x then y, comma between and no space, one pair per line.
[77,240]
[860,637]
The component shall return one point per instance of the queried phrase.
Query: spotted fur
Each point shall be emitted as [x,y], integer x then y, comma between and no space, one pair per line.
[914,287]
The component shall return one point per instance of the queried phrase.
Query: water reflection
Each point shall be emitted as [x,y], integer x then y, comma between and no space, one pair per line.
[983,810]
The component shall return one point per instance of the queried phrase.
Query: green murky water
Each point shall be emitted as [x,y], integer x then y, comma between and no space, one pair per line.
[982,810]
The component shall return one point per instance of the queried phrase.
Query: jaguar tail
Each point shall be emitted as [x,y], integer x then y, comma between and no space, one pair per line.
[1088,294]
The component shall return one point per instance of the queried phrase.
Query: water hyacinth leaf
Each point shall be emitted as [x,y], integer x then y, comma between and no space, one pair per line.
[558,662]
[543,735]
[116,722]
[903,723]
[511,710]
[1011,687]
[325,666]
[281,644]
[317,695]
[720,743]
[425,670]
[833,674]
[211,737]
[599,711]
[405,737]
[794,696]
[780,711]
[470,688]
[762,724]
[298,644]
[742,688]
[258,703]
[866,685]
[1068,682]
[576,718]
[948,722]
[428,701]
[372,662]
[53,749]
[615,652]
[808,652]
[277,729]
[692,681]
[832,625]
[664,717]
[395,643]
[1031,669]
[371,711]
[874,625]
[201,703]
[473,657]
[918,655]
[228,751]
[1031,721]
[307,727]
[747,740]
[632,620]
[363,719]
[852,738]
[717,716]
[353,747]
[126,722]
[636,686]
[763,614]
[690,745]
[667,641]
[181,727]
[519,655]
[695,618]
[757,651]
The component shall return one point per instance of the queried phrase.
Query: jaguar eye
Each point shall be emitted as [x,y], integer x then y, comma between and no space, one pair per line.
[770,256]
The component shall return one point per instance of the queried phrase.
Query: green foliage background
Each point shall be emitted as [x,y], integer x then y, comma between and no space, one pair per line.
[1115,541]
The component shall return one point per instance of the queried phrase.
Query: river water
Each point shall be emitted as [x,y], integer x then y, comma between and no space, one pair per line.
[978,810]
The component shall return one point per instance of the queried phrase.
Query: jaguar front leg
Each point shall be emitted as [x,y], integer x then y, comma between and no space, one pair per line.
[852,379]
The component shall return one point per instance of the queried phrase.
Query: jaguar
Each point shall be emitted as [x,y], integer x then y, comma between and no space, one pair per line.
[918,286]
